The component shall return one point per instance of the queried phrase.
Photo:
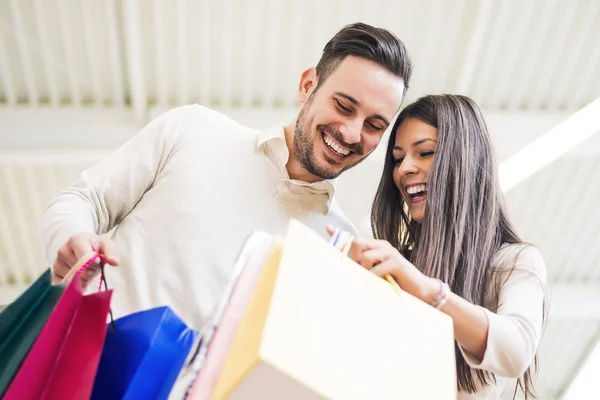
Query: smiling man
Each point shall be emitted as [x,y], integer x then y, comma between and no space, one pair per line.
[344,115]
[183,193]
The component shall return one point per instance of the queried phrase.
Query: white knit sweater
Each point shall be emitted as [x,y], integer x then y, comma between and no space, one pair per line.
[183,194]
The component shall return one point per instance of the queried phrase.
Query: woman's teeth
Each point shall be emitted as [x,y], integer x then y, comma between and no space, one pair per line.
[416,190]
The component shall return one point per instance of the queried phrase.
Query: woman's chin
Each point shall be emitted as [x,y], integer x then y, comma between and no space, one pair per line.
[416,209]
[417,218]
[417,212]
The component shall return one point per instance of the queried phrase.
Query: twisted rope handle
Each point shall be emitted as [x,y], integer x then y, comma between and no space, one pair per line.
[85,266]
[89,262]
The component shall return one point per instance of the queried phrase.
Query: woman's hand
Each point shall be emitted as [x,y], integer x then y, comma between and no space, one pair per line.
[471,324]
[381,258]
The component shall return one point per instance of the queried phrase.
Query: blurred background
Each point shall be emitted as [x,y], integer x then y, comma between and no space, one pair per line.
[78,78]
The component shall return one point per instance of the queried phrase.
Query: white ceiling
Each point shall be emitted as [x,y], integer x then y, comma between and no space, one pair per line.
[509,54]
[79,77]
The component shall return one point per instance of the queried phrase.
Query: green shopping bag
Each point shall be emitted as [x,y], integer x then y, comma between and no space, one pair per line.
[21,323]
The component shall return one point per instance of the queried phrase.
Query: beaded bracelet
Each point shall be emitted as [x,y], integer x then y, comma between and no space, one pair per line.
[440,299]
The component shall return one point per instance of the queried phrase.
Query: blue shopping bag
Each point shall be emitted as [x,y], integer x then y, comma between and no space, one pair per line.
[143,355]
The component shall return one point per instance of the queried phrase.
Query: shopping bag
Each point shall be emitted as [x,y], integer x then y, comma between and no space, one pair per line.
[207,363]
[320,326]
[142,358]
[21,323]
[63,361]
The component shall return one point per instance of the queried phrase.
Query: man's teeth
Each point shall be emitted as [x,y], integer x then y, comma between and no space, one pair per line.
[416,189]
[334,146]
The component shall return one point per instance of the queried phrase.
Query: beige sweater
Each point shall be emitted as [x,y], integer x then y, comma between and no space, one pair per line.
[516,325]
[183,194]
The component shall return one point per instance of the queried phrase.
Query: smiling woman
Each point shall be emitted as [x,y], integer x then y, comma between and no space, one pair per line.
[445,236]
[413,154]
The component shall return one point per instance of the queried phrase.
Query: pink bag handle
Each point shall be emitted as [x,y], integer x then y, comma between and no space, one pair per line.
[86,264]
[89,262]
[82,264]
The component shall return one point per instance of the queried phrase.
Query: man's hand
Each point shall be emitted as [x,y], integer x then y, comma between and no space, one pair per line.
[79,246]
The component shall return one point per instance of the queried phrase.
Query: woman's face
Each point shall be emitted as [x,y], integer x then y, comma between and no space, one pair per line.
[413,154]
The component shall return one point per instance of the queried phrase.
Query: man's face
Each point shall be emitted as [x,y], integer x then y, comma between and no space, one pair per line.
[343,121]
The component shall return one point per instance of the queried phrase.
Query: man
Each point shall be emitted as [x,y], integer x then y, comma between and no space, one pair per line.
[185,191]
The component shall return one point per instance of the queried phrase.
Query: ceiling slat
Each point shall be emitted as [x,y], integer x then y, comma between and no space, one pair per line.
[34,211]
[227,55]
[588,80]
[319,28]
[554,61]
[295,47]
[578,264]
[554,358]
[49,185]
[133,42]
[251,39]
[515,41]
[6,75]
[547,372]
[158,10]
[273,35]
[32,188]
[590,330]
[475,47]
[442,76]
[205,50]
[488,62]
[47,57]
[8,244]
[23,228]
[430,43]
[73,76]
[182,53]
[535,56]
[92,52]
[570,197]
[116,71]
[24,53]
[585,39]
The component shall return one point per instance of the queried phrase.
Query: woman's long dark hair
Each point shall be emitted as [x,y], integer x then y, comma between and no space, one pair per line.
[466,220]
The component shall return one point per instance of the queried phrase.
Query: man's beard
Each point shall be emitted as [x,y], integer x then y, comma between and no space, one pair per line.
[304,146]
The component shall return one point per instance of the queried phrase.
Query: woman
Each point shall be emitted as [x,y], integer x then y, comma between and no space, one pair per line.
[445,237]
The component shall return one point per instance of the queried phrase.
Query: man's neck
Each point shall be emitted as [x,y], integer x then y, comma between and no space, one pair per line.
[295,170]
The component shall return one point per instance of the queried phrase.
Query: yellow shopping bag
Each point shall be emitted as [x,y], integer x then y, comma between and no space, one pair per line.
[320,326]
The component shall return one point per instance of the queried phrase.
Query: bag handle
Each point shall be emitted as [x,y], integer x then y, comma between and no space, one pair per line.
[83,264]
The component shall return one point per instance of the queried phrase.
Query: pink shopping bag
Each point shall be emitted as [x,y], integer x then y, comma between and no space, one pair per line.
[63,361]
[233,310]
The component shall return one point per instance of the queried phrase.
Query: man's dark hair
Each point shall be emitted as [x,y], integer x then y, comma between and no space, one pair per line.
[365,41]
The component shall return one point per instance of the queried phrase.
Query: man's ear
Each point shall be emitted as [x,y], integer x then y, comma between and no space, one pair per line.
[308,83]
